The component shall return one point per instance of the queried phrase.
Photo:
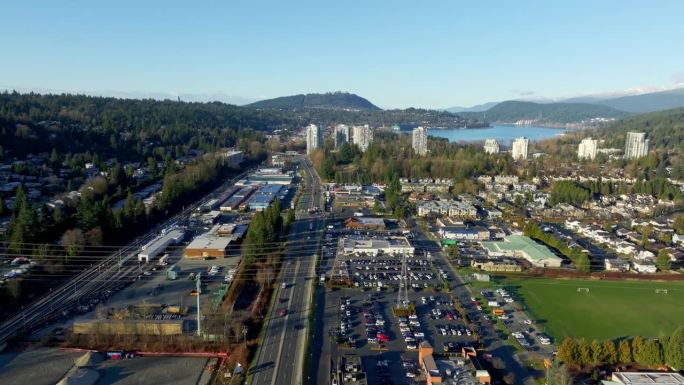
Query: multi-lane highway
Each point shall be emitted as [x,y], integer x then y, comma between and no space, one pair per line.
[111,272]
[281,353]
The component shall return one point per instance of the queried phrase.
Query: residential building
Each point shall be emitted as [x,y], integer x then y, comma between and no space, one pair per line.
[448,207]
[420,140]
[616,265]
[519,148]
[644,266]
[636,145]
[341,135]
[362,136]
[314,138]
[491,146]
[587,148]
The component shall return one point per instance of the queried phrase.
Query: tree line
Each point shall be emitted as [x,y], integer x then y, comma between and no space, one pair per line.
[666,350]
[580,259]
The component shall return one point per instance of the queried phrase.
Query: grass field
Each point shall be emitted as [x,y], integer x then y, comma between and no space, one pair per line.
[611,309]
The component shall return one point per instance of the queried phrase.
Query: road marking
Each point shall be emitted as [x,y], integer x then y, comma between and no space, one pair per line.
[282,334]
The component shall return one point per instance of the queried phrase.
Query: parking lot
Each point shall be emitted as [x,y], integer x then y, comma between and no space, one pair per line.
[359,316]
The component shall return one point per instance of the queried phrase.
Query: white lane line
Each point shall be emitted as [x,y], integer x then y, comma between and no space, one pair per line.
[282,334]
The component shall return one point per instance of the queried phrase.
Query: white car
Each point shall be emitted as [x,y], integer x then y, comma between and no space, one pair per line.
[527,322]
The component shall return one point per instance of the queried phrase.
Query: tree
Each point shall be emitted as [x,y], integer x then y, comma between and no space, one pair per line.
[3,207]
[558,374]
[596,352]
[610,353]
[624,352]
[94,236]
[290,217]
[567,351]
[674,353]
[57,216]
[637,346]
[651,354]
[73,241]
[678,224]
[663,261]
[584,356]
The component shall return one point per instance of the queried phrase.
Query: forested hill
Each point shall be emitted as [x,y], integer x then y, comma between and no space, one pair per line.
[125,128]
[664,129]
[551,113]
[331,101]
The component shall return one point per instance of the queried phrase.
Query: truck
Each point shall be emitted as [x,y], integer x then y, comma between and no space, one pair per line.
[498,312]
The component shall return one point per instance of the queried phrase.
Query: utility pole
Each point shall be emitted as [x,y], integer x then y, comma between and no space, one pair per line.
[244,334]
[198,286]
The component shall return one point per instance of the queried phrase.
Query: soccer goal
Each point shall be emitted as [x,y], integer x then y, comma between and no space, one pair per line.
[661,291]
[583,290]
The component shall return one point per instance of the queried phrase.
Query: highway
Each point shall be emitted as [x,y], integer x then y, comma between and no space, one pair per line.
[281,353]
[114,270]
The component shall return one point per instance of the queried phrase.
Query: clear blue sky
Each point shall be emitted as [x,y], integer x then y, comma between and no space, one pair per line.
[395,53]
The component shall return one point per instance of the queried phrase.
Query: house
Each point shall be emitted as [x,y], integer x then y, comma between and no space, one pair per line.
[616,265]
[644,266]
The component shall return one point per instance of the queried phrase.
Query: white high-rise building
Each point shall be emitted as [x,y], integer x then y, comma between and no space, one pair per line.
[314,138]
[362,136]
[341,135]
[587,148]
[420,140]
[519,148]
[636,145]
[491,146]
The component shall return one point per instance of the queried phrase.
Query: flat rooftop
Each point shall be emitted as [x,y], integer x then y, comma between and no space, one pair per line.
[648,378]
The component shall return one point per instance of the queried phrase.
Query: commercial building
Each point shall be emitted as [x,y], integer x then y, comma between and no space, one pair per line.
[365,223]
[420,140]
[519,148]
[362,136]
[520,246]
[314,138]
[491,146]
[636,145]
[587,148]
[156,246]
[496,264]
[214,242]
[264,197]
[341,135]
[375,246]
[645,378]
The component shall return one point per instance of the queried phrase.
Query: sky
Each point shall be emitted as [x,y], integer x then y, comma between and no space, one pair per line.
[397,54]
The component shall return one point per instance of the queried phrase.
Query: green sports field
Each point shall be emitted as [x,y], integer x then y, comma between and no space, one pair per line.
[611,309]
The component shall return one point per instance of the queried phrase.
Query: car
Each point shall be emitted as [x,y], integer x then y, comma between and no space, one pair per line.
[147,273]
[194,293]
[283,312]
[527,322]
[283,285]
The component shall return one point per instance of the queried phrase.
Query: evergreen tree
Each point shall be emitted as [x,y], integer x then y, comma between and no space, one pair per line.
[637,346]
[663,260]
[558,374]
[674,353]
[610,353]
[625,352]
[651,354]
[567,351]
[597,353]
[584,356]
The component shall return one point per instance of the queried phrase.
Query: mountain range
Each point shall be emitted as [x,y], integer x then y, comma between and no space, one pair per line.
[573,110]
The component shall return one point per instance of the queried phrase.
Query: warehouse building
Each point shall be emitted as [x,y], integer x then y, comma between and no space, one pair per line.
[645,378]
[156,246]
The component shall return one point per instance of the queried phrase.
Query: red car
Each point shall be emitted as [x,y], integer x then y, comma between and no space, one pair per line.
[283,312]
